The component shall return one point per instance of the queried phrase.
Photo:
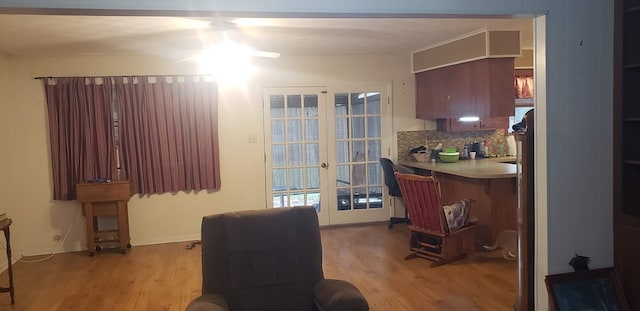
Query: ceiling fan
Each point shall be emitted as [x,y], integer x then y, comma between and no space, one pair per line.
[218,40]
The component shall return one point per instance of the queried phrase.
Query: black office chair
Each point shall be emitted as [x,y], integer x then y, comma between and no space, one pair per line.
[388,170]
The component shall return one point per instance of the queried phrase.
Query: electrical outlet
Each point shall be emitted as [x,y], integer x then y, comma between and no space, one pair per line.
[56,237]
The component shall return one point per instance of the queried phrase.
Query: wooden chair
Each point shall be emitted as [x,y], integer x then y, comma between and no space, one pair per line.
[430,235]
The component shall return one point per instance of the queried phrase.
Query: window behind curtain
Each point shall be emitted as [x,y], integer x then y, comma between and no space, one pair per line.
[81,132]
[162,132]
[168,133]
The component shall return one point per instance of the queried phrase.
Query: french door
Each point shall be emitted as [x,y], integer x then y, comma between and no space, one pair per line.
[322,150]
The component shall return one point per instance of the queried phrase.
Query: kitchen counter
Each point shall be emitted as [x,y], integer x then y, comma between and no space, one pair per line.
[487,168]
[489,182]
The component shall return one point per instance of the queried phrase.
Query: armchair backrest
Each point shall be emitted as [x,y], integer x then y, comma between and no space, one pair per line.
[421,196]
[262,260]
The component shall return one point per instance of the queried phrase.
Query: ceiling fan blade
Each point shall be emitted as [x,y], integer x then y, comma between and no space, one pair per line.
[265,54]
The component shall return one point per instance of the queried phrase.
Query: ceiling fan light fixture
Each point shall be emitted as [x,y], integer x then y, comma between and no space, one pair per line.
[227,61]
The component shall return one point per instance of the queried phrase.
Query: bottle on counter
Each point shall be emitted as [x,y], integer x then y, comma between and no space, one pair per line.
[465,151]
[485,148]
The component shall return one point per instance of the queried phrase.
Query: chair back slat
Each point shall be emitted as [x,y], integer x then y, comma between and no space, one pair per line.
[421,196]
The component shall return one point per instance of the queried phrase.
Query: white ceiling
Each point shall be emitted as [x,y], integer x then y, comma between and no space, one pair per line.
[178,37]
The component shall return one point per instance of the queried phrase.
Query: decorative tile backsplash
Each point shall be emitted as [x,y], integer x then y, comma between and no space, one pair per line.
[412,139]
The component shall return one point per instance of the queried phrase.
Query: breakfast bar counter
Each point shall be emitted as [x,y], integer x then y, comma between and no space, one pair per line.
[489,168]
[489,182]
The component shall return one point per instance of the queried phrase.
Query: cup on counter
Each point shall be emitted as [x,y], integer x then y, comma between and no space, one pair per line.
[472,155]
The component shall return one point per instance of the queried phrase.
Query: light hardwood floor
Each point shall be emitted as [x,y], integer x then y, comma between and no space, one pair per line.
[167,276]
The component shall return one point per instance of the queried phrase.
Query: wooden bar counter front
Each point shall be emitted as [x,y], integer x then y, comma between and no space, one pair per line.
[105,200]
[491,184]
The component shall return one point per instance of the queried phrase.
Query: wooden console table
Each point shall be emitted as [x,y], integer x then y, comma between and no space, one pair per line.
[105,200]
[4,226]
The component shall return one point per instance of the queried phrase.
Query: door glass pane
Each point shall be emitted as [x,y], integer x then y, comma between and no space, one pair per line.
[359,174]
[313,178]
[296,176]
[279,179]
[344,199]
[357,103]
[375,174]
[342,128]
[276,104]
[343,178]
[375,197]
[357,127]
[359,198]
[374,152]
[373,127]
[297,199]
[294,130]
[280,200]
[295,155]
[278,156]
[311,105]
[312,156]
[312,129]
[294,106]
[342,104]
[373,103]
[277,131]
[358,151]
[342,152]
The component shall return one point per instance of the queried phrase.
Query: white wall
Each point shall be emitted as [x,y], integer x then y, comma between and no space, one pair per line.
[5,131]
[168,217]
[578,196]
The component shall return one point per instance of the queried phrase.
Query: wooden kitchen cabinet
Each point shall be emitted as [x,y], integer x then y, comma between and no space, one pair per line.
[432,94]
[493,87]
[482,88]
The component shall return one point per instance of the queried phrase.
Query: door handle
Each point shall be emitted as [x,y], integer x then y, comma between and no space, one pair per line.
[324,165]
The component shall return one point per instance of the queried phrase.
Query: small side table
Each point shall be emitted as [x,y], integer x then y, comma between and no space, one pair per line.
[106,200]
[4,226]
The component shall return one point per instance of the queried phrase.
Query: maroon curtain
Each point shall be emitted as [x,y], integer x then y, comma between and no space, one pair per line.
[168,129]
[81,132]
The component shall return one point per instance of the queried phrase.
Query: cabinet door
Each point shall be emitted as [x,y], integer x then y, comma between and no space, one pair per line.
[432,95]
[502,94]
[461,97]
[492,85]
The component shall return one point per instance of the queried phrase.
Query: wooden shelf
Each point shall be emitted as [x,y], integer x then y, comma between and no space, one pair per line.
[626,172]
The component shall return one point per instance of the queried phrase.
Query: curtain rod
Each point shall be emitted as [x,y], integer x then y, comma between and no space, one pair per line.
[107,76]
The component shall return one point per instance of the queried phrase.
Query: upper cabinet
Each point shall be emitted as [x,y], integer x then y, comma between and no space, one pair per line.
[482,88]
[432,94]
[469,76]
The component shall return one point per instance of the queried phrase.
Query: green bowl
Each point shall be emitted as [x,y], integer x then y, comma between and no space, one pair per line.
[450,150]
[449,157]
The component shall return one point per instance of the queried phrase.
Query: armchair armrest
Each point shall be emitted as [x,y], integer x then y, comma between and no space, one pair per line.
[338,295]
[208,302]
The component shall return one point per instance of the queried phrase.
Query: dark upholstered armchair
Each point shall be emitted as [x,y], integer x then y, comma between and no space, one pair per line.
[268,260]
